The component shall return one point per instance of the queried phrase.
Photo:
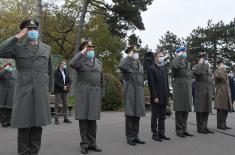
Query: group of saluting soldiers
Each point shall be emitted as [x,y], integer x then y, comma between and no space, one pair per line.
[182,93]
[35,79]
[7,85]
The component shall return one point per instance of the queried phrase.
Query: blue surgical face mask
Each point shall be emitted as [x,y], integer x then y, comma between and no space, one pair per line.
[9,69]
[90,54]
[225,67]
[33,35]
[65,66]
[161,61]
[184,55]
[206,61]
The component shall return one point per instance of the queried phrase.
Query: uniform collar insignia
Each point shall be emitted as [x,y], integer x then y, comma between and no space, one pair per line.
[32,22]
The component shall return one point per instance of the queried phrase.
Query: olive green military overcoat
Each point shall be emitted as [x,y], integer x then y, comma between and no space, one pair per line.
[89,87]
[133,75]
[203,88]
[33,83]
[182,85]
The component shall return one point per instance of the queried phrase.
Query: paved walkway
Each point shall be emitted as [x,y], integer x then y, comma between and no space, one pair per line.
[64,139]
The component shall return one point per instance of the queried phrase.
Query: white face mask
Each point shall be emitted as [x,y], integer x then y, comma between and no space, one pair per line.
[161,60]
[206,61]
[135,56]
[225,67]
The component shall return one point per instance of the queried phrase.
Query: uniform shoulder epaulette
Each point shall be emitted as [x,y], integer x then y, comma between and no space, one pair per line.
[99,61]
[126,58]
[20,42]
[45,45]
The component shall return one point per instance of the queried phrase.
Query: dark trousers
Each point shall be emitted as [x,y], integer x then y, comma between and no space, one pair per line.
[181,121]
[88,129]
[29,140]
[132,127]
[202,120]
[158,119]
[61,97]
[5,115]
[222,117]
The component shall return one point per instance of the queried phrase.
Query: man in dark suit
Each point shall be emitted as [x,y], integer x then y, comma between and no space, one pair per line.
[159,90]
[62,85]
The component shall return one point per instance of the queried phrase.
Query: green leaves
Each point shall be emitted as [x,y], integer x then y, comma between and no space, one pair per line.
[108,47]
[113,99]
[106,24]
[168,44]
[133,39]
[123,15]
[12,13]
[217,40]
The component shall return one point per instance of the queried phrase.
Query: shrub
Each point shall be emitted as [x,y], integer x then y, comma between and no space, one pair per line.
[146,91]
[71,100]
[113,99]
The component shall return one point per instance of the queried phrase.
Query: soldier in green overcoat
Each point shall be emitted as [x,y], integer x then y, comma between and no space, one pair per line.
[7,87]
[89,91]
[182,91]
[223,101]
[34,81]
[133,75]
[203,93]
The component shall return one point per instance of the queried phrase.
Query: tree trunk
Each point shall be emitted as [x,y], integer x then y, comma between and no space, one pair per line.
[39,17]
[78,41]
[215,55]
[81,25]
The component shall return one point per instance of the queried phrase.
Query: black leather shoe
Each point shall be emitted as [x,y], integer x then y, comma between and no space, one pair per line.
[57,122]
[227,127]
[188,134]
[84,150]
[202,131]
[209,131]
[4,124]
[138,141]
[8,124]
[221,128]
[181,135]
[131,142]
[164,137]
[67,120]
[95,148]
[157,138]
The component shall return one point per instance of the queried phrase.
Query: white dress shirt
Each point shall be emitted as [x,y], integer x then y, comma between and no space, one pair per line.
[62,71]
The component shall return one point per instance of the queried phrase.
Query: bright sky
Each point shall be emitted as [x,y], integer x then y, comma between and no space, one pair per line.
[181,17]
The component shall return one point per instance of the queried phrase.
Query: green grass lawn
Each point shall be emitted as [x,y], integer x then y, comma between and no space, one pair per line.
[71,100]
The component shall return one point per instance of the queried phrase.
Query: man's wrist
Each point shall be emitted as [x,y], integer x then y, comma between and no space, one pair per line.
[17,36]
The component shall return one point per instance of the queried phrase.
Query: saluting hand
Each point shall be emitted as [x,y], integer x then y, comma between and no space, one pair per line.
[84,51]
[221,65]
[22,33]
[130,54]
[201,61]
